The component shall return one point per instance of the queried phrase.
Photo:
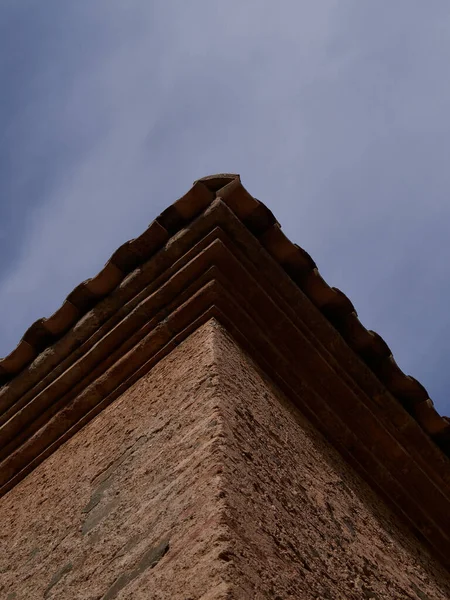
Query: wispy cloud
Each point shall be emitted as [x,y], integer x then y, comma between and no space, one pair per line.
[334,113]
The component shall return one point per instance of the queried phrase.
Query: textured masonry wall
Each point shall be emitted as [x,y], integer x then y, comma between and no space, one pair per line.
[130,507]
[203,483]
[305,525]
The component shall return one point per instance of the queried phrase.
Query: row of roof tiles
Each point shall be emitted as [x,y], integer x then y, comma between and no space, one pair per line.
[297,263]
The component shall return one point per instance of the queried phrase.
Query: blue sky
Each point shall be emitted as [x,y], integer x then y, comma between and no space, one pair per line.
[334,112]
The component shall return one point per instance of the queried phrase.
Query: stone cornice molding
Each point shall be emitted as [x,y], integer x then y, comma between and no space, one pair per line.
[219,253]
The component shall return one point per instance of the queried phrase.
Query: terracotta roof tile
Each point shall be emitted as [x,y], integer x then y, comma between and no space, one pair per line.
[296,262]
[219,253]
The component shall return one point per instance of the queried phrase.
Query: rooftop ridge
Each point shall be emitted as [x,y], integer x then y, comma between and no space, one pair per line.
[296,262]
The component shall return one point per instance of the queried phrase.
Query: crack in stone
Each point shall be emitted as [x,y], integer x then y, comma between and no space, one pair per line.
[57,577]
[149,560]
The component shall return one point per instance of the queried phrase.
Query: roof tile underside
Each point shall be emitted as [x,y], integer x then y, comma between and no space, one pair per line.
[219,253]
[296,262]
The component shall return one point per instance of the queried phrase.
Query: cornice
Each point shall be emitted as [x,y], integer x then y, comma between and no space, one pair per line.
[225,257]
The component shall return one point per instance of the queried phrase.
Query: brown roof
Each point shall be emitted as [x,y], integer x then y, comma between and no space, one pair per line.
[219,252]
[335,305]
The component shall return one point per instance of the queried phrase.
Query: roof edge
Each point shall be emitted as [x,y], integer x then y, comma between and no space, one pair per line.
[295,261]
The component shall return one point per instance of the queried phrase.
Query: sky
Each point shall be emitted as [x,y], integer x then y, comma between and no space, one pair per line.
[334,112]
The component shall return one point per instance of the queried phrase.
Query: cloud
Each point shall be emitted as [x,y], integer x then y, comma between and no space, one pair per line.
[334,114]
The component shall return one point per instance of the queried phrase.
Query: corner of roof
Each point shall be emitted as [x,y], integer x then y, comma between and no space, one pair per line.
[218,181]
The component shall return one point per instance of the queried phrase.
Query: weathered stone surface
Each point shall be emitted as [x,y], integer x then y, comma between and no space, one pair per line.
[131,506]
[304,524]
[202,482]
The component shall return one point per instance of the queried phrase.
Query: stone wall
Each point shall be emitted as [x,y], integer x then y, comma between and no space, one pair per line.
[203,482]
[130,507]
[304,523]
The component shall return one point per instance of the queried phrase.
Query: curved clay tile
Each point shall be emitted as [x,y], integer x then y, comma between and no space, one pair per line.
[297,263]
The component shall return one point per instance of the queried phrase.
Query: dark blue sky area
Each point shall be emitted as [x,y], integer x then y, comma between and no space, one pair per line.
[335,113]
